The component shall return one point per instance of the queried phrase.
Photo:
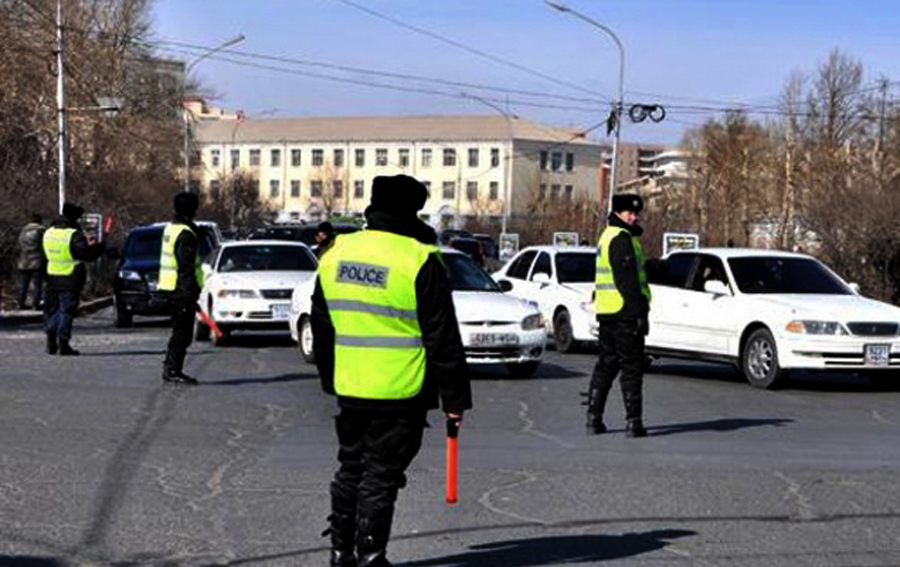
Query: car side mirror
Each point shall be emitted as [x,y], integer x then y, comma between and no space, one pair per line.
[716,287]
[505,285]
[541,278]
[855,287]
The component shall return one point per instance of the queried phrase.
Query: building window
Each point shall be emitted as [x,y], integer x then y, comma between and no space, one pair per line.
[495,190]
[473,157]
[449,157]
[360,157]
[315,188]
[570,162]
[235,159]
[543,160]
[337,187]
[295,188]
[318,158]
[495,157]
[214,157]
[359,189]
[472,190]
[556,161]
[554,192]
[295,158]
[542,192]
[215,187]
[404,158]
[274,186]
[449,190]
[381,157]
[338,158]
[276,158]
[426,157]
[569,192]
[254,158]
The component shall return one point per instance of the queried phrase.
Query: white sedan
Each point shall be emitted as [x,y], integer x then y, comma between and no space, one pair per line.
[496,328]
[248,284]
[768,313]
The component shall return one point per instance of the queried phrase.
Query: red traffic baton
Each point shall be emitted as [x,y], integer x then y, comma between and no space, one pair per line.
[452,438]
[208,321]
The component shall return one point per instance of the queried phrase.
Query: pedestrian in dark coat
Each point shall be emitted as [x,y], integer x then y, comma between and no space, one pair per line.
[31,261]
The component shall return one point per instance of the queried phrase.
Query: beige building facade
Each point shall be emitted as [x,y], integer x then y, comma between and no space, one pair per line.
[475,166]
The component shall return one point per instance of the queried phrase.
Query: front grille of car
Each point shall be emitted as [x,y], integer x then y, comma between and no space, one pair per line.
[873,329]
[259,315]
[492,352]
[488,323]
[276,293]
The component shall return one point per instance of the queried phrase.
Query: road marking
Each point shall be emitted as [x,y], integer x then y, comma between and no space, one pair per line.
[485,499]
[529,428]
[805,508]
[878,417]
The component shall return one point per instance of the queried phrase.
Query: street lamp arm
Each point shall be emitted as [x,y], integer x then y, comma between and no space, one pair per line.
[235,40]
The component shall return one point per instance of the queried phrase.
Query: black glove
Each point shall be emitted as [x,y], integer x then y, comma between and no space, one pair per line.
[643,325]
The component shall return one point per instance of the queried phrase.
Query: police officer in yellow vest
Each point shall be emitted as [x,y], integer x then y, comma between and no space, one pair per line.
[180,280]
[66,249]
[387,343]
[622,304]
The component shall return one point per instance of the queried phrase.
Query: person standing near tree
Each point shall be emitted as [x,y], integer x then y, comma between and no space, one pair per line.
[622,305]
[31,262]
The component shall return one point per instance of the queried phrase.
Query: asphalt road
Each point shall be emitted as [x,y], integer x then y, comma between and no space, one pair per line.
[104,465]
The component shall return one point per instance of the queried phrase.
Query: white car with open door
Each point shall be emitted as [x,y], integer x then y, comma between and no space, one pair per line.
[560,280]
[248,284]
[768,313]
[496,328]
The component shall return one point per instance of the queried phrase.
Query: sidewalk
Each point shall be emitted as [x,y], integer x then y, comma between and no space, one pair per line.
[16,317]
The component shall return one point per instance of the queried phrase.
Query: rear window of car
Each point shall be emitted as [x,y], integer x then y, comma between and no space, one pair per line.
[266,258]
[576,267]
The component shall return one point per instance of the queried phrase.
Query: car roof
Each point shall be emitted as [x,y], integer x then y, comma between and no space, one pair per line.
[551,249]
[727,253]
[272,242]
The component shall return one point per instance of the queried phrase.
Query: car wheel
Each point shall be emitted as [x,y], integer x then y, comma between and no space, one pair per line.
[122,317]
[306,339]
[884,381]
[523,369]
[562,332]
[760,360]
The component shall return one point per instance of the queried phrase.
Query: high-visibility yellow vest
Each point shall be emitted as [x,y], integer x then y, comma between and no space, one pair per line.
[168,264]
[368,279]
[608,300]
[59,252]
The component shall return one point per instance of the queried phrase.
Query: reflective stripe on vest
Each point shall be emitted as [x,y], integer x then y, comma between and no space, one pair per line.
[168,263]
[59,252]
[368,279]
[607,298]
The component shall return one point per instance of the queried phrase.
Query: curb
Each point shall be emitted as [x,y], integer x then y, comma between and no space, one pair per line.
[14,318]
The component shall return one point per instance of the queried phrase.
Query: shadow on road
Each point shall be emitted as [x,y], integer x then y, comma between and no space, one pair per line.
[546,371]
[296,377]
[557,550]
[721,425]
[26,561]
[798,380]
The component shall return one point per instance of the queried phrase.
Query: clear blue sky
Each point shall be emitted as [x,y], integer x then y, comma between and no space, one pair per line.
[677,52]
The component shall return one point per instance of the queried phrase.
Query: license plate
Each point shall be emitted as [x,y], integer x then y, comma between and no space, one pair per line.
[281,312]
[877,355]
[493,339]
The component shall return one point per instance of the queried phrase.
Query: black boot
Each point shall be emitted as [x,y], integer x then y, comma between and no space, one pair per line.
[65,349]
[172,372]
[52,347]
[342,529]
[595,405]
[635,428]
[371,541]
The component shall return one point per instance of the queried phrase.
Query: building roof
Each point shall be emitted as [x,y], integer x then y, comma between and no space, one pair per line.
[383,129]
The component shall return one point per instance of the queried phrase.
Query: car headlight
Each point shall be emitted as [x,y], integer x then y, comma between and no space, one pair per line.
[816,328]
[533,322]
[129,275]
[241,293]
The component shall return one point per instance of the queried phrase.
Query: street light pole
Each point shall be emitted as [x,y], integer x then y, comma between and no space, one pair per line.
[187,119]
[619,104]
[61,104]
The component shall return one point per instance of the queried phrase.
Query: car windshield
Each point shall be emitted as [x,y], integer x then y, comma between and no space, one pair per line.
[465,275]
[144,244]
[772,274]
[266,258]
[576,267]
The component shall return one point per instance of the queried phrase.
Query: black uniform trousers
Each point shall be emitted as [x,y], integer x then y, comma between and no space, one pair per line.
[621,350]
[183,311]
[375,450]
[60,308]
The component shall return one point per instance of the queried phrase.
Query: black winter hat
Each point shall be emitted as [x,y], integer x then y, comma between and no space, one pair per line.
[186,204]
[72,211]
[399,194]
[627,202]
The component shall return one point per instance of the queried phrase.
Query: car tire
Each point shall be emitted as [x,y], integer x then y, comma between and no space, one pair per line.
[523,369]
[562,332]
[123,318]
[305,336]
[759,361]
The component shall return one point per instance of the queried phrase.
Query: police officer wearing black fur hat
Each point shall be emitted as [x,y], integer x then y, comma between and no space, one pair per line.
[180,280]
[387,343]
[622,305]
[66,249]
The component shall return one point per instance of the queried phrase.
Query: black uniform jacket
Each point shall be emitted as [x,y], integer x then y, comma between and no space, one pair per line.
[81,250]
[625,272]
[187,288]
[446,372]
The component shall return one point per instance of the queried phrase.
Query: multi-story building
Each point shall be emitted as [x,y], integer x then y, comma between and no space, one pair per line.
[474,166]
